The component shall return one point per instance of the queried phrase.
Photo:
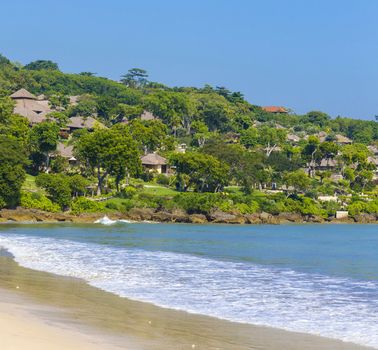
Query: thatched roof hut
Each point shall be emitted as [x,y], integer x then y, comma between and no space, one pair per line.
[153,159]
[23,94]
[84,123]
[29,107]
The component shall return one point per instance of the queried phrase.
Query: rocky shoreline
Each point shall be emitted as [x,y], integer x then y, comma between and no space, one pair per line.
[177,216]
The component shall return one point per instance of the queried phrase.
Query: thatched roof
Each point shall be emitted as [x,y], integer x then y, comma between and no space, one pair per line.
[153,159]
[146,115]
[64,150]
[84,123]
[23,94]
[293,138]
[342,139]
[328,163]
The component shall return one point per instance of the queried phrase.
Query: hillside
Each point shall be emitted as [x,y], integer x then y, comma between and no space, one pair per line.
[83,138]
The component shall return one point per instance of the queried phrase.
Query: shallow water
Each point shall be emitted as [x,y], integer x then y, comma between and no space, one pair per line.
[319,279]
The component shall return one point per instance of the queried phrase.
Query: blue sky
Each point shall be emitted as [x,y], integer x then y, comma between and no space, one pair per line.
[306,55]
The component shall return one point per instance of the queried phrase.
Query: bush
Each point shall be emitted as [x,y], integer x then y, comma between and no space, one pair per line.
[38,201]
[357,207]
[197,203]
[162,179]
[128,192]
[84,205]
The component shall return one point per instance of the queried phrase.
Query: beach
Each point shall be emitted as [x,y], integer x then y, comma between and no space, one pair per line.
[40,310]
[75,322]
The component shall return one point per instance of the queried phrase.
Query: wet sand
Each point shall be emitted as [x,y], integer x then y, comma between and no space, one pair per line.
[71,310]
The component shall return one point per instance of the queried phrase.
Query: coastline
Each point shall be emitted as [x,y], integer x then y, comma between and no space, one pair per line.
[23,215]
[57,307]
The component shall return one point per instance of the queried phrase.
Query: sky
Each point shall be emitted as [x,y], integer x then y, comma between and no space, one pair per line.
[304,55]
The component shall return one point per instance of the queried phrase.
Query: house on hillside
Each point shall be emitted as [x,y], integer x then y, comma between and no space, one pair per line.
[30,107]
[275,109]
[89,123]
[66,151]
[342,140]
[293,139]
[154,163]
[146,115]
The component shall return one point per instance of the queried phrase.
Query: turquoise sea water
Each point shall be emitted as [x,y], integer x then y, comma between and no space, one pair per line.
[319,279]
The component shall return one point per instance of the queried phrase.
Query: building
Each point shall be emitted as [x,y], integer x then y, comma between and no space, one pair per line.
[292,138]
[342,140]
[275,109]
[66,151]
[30,107]
[89,123]
[146,115]
[154,163]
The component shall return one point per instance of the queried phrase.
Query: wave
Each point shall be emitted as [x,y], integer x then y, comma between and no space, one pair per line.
[333,307]
[105,220]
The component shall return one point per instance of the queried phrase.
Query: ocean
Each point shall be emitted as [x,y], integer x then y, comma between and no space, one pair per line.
[317,279]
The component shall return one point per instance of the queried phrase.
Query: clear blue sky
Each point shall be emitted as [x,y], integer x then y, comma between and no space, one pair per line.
[306,55]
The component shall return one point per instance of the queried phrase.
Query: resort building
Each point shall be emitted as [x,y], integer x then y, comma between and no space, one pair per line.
[275,109]
[154,163]
[89,123]
[30,107]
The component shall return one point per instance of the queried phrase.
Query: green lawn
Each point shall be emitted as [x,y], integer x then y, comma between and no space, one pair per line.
[29,184]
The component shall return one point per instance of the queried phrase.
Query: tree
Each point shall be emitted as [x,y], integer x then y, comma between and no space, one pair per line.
[135,78]
[317,118]
[109,151]
[42,65]
[150,134]
[12,174]
[250,137]
[203,172]
[58,188]
[298,180]
[271,138]
[43,140]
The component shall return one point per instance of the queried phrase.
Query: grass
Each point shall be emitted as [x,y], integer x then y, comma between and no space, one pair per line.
[29,184]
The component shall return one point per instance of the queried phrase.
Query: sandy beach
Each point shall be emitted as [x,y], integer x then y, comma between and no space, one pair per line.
[45,311]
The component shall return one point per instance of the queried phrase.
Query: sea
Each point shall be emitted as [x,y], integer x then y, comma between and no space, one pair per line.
[316,279]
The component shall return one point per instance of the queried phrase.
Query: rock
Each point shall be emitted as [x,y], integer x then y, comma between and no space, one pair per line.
[290,217]
[221,217]
[365,218]
[315,219]
[139,214]
[253,218]
[163,216]
[197,219]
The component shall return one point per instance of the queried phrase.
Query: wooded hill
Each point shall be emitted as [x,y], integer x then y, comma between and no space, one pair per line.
[211,138]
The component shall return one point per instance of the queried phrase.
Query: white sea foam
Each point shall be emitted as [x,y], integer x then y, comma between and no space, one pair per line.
[105,220]
[333,307]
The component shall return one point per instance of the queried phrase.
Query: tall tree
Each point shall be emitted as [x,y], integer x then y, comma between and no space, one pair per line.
[12,174]
[135,78]
[109,151]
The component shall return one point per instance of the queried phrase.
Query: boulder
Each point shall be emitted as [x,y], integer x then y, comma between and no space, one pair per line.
[197,219]
[221,217]
[139,214]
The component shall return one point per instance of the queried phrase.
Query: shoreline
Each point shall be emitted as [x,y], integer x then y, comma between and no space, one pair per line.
[23,215]
[121,321]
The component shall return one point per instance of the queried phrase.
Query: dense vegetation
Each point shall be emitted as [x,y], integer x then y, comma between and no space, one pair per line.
[239,158]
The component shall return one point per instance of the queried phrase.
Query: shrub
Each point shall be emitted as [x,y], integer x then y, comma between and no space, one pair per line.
[38,201]
[128,192]
[162,179]
[84,205]
[357,207]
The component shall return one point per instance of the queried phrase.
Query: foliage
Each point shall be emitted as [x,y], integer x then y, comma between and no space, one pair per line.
[203,172]
[83,205]
[35,200]
[12,174]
